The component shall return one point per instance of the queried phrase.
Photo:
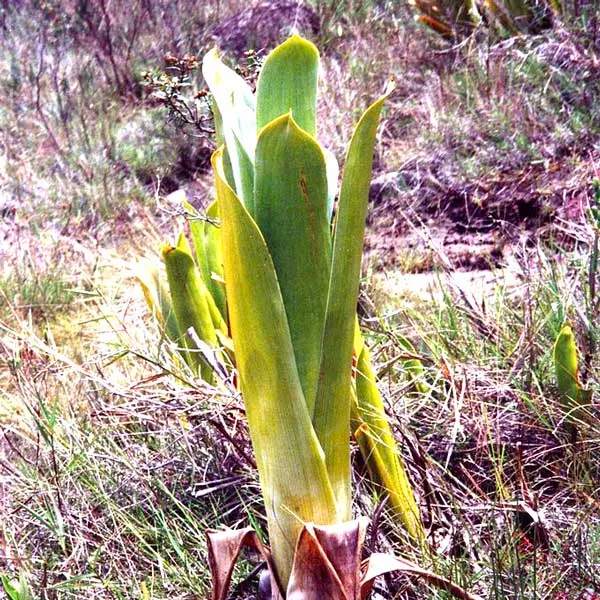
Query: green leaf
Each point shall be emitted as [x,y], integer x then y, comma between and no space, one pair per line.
[289,458]
[220,140]
[214,258]
[288,82]
[218,121]
[10,588]
[332,407]
[290,202]
[158,299]
[216,316]
[565,364]
[190,302]
[16,590]
[206,237]
[567,378]
[236,121]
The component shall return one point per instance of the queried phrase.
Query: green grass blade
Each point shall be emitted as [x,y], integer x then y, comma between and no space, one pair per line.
[332,407]
[291,211]
[413,366]
[290,460]
[288,82]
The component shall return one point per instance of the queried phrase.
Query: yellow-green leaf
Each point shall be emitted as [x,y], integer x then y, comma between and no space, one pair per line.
[565,365]
[378,446]
[572,394]
[236,112]
[206,237]
[190,303]
[332,407]
[289,458]
[158,299]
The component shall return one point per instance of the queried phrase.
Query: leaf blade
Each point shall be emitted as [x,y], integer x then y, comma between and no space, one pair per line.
[206,238]
[332,407]
[291,211]
[236,121]
[190,304]
[295,484]
[380,450]
[288,83]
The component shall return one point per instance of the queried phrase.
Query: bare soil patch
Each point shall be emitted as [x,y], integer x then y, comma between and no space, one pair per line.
[418,222]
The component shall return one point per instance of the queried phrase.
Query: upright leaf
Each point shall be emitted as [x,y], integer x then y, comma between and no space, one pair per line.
[572,394]
[216,316]
[288,83]
[378,446]
[190,303]
[158,299]
[332,407]
[565,365]
[206,237]
[290,460]
[214,257]
[290,203]
[236,122]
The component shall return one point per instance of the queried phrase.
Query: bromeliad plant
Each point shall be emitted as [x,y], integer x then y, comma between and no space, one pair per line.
[292,276]
[192,308]
[291,273]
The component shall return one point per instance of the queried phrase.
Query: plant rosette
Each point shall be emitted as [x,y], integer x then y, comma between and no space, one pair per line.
[291,273]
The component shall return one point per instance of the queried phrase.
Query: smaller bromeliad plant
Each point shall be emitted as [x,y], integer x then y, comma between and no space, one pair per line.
[273,290]
[459,18]
[574,398]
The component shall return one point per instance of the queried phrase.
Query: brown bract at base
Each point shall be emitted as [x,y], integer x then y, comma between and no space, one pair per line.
[327,564]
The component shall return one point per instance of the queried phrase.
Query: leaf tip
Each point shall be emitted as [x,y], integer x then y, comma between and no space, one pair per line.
[166,249]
